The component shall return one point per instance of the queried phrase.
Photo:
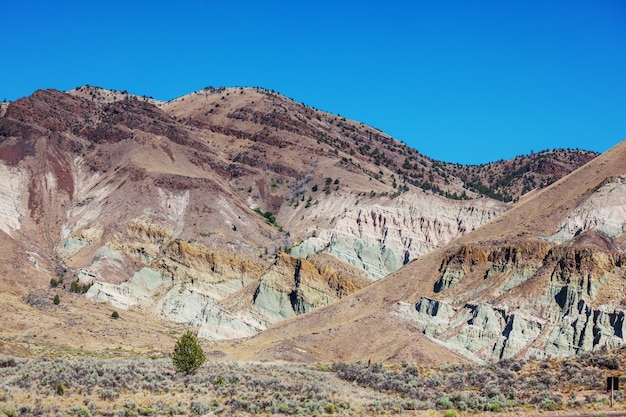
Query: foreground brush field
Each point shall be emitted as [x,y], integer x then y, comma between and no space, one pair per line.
[127,385]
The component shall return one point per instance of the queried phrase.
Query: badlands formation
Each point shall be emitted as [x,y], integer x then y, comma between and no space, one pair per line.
[231,210]
[544,279]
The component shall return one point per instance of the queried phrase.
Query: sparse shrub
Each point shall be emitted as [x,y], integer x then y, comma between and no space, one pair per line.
[82,411]
[444,403]
[491,391]
[607,362]
[25,410]
[9,412]
[495,407]
[549,405]
[512,394]
[7,362]
[177,410]
[108,394]
[145,411]
[130,404]
[60,389]
[188,355]
[281,408]
[199,407]
[115,315]
[57,300]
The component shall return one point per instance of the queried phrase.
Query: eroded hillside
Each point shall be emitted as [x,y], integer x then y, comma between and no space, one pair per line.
[226,209]
[544,279]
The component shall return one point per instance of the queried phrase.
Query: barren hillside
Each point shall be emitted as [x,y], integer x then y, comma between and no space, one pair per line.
[226,209]
[537,281]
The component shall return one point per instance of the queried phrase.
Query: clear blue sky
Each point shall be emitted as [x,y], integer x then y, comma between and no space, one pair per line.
[460,81]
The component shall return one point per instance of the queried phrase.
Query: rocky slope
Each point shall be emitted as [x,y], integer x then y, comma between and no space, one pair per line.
[561,295]
[188,209]
[544,279]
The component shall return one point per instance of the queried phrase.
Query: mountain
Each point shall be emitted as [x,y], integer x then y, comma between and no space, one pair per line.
[546,278]
[227,209]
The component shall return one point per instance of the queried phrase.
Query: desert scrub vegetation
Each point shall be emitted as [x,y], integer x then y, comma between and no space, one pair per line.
[506,385]
[96,386]
[90,386]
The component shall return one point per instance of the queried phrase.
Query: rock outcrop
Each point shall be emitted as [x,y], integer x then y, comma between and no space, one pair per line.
[382,238]
[226,295]
[604,210]
[538,299]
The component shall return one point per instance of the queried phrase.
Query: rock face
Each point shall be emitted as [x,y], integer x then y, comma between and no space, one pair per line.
[604,211]
[220,293]
[538,299]
[382,238]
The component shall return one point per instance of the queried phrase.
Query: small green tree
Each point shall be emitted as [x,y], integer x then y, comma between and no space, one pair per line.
[56,300]
[188,355]
[115,315]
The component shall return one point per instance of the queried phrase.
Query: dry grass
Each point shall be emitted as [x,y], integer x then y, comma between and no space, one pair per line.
[33,325]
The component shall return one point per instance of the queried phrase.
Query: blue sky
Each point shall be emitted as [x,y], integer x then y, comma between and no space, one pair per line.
[460,81]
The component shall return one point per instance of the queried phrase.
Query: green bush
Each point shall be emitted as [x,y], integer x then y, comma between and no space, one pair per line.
[83,412]
[199,407]
[115,315]
[549,405]
[9,412]
[444,403]
[57,300]
[495,407]
[188,355]
[145,411]
[79,288]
